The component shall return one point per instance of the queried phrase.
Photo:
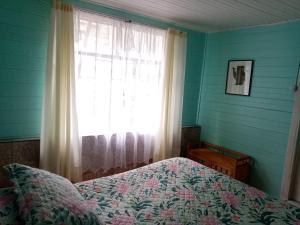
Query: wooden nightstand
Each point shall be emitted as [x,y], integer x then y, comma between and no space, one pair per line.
[229,162]
[190,138]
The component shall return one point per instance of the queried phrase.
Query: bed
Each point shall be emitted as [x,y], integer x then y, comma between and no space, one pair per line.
[171,192]
[181,191]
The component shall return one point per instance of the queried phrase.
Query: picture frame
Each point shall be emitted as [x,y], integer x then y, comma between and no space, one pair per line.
[239,77]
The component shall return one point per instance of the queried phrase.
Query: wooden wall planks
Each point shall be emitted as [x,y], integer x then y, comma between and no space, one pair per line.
[257,125]
[23,47]
[209,15]
[194,60]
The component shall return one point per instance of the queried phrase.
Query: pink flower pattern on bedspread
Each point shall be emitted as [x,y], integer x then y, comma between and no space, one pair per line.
[8,207]
[45,198]
[179,191]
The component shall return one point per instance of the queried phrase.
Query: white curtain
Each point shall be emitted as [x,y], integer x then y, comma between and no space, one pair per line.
[169,136]
[60,143]
[119,79]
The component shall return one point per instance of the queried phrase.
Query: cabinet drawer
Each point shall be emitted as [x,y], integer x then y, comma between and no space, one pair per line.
[221,169]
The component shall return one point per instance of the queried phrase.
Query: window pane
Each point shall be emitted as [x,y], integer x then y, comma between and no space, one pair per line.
[119,75]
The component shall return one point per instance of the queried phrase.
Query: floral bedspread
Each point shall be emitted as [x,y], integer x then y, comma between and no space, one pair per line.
[181,191]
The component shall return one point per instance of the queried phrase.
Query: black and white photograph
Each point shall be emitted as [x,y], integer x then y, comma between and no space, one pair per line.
[239,74]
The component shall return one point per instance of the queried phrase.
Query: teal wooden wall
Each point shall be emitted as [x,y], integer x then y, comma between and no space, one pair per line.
[257,125]
[194,61]
[23,47]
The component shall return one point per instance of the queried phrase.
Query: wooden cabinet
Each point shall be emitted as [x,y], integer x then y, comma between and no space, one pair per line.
[190,138]
[229,162]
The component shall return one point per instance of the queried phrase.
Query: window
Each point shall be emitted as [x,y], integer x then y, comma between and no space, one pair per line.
[119,69]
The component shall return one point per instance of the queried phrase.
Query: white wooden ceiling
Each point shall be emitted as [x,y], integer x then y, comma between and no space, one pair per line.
[212,15]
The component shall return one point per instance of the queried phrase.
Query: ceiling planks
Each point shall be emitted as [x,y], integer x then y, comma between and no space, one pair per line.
[212,15]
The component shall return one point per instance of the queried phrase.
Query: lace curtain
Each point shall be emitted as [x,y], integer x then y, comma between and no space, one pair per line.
[119,80]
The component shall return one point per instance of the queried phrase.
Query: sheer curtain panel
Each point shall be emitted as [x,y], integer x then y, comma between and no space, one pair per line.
[169,135]
[60,141]
[119,80]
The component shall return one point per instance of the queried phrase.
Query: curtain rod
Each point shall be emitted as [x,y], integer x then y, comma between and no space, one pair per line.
[118,18]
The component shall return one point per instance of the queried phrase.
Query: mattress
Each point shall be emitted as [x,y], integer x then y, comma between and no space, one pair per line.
[181,191]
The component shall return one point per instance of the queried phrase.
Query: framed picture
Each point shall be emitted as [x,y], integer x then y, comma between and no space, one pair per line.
[239,75]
